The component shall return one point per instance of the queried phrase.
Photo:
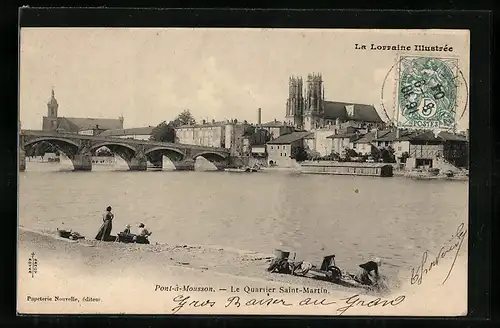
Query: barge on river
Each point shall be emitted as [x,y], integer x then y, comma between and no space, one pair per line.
[347,168]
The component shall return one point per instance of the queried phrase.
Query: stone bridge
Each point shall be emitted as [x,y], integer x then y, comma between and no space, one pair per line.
[80,149]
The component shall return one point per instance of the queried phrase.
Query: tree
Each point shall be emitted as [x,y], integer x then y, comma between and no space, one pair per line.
[387,155]
[299,154]
[375,154]
[404,157]
[184,118]
[164,132]
[348,153]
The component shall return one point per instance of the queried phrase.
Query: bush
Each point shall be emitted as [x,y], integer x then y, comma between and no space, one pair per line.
[299,154]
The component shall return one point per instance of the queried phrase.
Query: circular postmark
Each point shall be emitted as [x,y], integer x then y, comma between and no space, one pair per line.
[427,92]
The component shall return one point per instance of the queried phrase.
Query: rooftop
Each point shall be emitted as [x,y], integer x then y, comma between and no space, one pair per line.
[428,136]
[274,123]
[126,132]
[362,112]
[289,138]
[211,124]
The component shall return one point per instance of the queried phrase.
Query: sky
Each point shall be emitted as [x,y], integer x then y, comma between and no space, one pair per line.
[151,75]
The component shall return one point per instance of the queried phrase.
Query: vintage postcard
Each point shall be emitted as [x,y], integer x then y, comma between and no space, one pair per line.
[243,171]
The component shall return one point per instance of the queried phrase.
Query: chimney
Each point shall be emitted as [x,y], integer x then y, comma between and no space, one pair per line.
[213,121]
[204,122]
[259,116]
[376,133]
[397,133]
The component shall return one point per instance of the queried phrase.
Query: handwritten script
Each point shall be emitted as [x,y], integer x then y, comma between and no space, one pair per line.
[454,245]
[339,307]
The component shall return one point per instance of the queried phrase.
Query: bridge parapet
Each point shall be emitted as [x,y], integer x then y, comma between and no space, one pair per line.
[147,143]
[79,149]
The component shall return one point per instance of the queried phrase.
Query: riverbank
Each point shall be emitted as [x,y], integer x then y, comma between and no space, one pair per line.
[235,262]
[99,270]
[92,277]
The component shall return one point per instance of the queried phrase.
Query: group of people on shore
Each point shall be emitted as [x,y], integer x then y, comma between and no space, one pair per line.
[126,235]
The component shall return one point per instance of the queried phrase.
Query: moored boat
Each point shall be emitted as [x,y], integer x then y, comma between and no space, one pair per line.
[242,169]
[347,168]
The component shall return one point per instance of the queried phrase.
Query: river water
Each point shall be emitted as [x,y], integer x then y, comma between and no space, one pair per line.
[355,218]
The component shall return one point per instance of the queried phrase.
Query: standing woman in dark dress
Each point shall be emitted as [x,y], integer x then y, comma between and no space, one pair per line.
[107,225]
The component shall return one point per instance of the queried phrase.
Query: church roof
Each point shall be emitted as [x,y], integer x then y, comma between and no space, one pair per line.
[336,109]
[88,123]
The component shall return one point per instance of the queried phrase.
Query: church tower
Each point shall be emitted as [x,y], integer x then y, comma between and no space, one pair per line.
[52,107]
[314,101]
[295,102]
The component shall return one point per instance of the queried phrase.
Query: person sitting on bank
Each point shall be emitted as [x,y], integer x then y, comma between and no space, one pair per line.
[365,276]
[125,236]
[143,232]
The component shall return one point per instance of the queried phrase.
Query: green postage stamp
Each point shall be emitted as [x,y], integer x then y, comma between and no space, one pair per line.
[427,93]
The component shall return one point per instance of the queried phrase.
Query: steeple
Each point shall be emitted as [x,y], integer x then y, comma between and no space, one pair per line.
[52,105]
[295,101]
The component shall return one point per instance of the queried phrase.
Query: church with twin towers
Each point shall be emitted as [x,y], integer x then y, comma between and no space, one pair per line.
[307,108]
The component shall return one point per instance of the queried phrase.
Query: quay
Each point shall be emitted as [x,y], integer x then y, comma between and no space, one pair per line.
[347,168]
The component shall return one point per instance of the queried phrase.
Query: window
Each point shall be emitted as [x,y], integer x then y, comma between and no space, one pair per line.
[399,148]
[285,154]
[281,154]
[272,147]
[278,147]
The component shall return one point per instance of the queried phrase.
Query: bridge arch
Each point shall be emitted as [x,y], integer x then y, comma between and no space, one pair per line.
[67,146]
[123,150]
[212,155]
[111,144]
[155,154]
[163,148]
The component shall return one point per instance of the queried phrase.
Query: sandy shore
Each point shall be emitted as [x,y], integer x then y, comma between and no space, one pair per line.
[96,254]
[100,277]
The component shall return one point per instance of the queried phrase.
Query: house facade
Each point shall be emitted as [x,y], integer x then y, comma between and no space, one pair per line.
[281,150]
[344,139]
[229,134]
[276,128]
[426,149]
